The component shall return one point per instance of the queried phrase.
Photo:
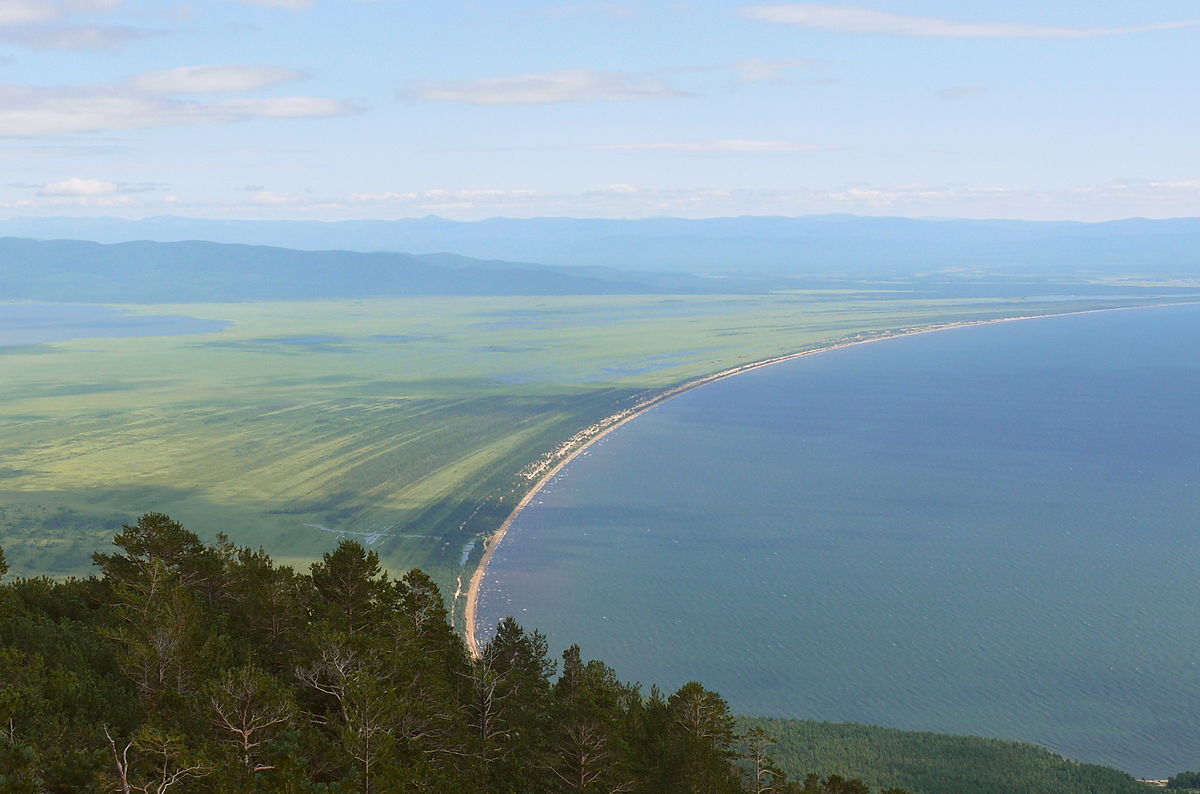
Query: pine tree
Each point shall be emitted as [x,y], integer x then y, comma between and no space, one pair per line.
[762,775]
[588,751]
[702,737]
[349,585]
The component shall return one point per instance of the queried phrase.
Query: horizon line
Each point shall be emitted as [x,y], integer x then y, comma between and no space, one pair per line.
[624,219]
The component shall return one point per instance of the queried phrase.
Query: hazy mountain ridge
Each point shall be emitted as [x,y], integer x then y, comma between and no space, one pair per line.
[142,271]
[802,246]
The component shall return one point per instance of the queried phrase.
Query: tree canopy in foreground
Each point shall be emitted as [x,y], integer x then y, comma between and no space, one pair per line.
[187,667]
[195,668]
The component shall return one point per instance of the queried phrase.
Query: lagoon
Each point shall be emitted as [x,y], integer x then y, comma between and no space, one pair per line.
[988,530]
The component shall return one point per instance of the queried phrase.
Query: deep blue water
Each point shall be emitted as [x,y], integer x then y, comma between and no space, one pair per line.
[991,530]
[36,323]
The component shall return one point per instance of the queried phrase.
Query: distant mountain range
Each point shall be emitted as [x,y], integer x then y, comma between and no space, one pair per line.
[811,246]
[72,270]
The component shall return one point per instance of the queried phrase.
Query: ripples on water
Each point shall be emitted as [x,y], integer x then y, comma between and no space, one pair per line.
[990,530]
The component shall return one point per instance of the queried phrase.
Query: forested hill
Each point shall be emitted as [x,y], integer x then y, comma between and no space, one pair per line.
[133,272]
[211,669]
[933,763]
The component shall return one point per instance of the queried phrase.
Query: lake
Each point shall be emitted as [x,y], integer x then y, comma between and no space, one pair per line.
[988,530]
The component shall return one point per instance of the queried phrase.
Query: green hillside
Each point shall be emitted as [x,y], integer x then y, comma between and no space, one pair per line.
[933,763]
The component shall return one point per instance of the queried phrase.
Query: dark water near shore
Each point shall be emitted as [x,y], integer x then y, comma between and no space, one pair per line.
[993,530]
[37,323]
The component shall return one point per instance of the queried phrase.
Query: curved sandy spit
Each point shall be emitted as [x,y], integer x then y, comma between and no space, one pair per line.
[590,435]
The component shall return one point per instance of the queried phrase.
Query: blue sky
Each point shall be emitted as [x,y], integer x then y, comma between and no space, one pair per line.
[334,109]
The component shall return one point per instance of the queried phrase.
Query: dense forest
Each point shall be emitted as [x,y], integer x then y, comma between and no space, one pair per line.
[1185,781]
[185,667]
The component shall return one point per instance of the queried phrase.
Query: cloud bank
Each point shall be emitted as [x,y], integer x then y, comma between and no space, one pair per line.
[719,145]
[45,25]
[73,37]
[855,19]
[549,88]
[757,70]
[151,100]
[213,79]
[20,12]
[76,186]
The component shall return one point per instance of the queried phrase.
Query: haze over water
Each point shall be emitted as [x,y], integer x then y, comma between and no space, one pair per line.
[990,530]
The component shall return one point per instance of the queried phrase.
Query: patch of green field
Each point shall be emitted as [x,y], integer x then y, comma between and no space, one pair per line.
[404,421]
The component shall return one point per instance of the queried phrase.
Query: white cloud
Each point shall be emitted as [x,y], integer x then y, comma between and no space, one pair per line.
[30,111]
[36,12]
[21,12]
[483,193]
[92,6]
[613,10]
[290,5]
[270,199]
[47,25]
[959,92]
[853,19]
[442,195]
[624,200]
[75,186]
[1147,198]
[756,70]
[547,88]
[58,202]
[73,37]
[1187,185]
[286,107]
[719,145]
[213,79]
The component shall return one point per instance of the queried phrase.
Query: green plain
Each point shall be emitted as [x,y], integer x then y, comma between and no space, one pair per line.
[406,421]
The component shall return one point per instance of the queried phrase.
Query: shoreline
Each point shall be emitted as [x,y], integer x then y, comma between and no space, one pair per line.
[579,443]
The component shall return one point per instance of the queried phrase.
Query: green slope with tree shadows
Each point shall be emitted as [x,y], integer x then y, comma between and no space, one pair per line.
[933,763]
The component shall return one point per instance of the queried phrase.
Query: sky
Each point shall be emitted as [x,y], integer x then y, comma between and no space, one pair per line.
[338,109]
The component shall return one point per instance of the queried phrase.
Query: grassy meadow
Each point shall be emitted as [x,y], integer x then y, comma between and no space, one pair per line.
[406,422]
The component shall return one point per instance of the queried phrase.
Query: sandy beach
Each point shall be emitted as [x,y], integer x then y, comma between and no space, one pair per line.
[551,464]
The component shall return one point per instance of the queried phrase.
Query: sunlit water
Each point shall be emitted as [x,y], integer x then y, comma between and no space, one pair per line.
[991,530]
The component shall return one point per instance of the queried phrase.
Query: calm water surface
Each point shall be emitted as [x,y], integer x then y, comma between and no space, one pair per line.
[991,530]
